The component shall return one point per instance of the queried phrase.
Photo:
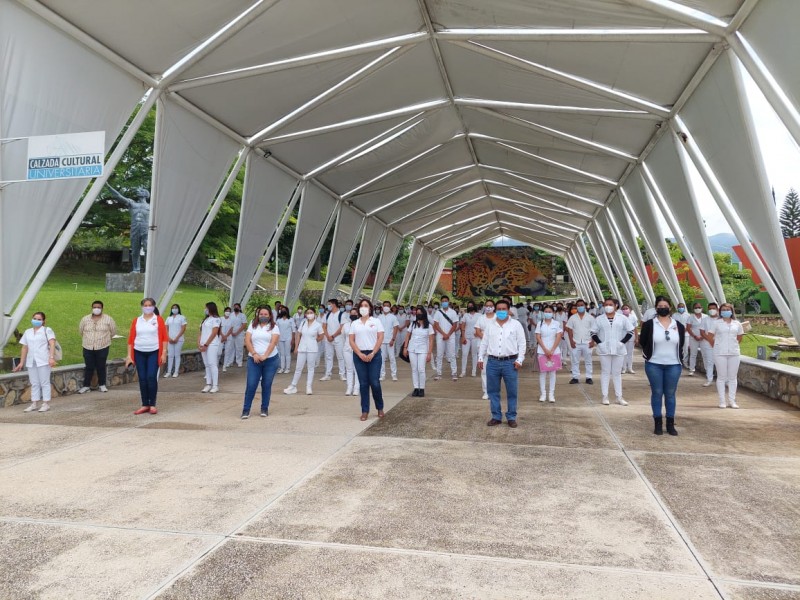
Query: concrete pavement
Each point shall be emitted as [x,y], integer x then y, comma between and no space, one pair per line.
[580,501]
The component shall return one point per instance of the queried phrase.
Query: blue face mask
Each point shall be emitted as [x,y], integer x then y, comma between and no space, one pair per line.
[36,322]
[502,314]
[681,309]
[445,304]
[548,316]
[581,309]
[726,314]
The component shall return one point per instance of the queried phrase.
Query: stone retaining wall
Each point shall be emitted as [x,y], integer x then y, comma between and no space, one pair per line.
[66,380]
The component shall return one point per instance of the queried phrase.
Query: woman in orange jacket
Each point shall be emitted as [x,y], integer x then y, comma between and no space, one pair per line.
[147,348]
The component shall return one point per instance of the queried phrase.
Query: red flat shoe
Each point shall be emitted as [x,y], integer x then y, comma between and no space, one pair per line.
[142,410]
[364,416]
[153,410]
[381,414]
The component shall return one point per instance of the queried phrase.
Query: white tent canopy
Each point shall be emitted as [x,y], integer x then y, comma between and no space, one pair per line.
[560,124]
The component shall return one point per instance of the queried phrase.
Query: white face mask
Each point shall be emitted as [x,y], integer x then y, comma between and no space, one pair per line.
[698,311]
[489,310]
[712,312]
[97,311]
[363,311]
[386,309]
[310,316]
[608,309]
[227,313]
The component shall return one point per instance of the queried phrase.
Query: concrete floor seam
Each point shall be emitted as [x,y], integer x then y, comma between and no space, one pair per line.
[769,585]
[657,498]
[98,526]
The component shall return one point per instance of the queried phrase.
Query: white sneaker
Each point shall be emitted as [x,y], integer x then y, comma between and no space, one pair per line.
[455,378]
[166,375]
[224,369]
[463,375]
[174,374]
[381,378]
[605,400]
[103,388]
[206,389]
[45,407]
[342,378]
[290,390]
[631,371]
[84,389]
[309,391]
[32,407]
[394,377]
[437,377]
[732,404]
[691,373]
[552,398]
[325,378]
[708,384]
[621,401]
[722,405]
[348,392]
[486,396]
[213,390]
[542,398]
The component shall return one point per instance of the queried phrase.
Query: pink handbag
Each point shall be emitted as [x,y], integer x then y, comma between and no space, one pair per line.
[549,364]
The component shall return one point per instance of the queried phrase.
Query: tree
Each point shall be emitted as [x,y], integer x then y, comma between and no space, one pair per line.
[790,215]
[737,284]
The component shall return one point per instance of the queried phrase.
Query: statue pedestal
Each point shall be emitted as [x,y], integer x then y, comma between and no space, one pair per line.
[125,282]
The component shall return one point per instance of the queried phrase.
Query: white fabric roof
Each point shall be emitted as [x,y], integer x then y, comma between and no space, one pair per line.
[456,122]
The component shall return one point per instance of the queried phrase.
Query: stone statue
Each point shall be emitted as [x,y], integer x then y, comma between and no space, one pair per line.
[140,223]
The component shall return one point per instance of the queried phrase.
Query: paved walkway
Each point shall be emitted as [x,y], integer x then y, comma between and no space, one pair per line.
[581,501]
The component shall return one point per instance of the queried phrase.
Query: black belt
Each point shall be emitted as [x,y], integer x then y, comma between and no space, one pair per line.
[512,357]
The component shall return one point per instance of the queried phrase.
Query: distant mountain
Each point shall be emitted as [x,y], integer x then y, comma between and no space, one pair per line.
[723,242]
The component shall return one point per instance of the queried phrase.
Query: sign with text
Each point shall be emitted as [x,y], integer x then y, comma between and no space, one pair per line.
[66,156]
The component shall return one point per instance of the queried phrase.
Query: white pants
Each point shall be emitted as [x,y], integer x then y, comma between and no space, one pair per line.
[694,348]
[417,360]
[211,361]
[467,350]
[708,359]
[336,347]
[238,347]
[174,356]
[566,350]
[727,370]
[351,377]
[229,351]
[309,361]
[40,383]
[543,382]
[611,369]
[398,344]
[457,336]
[387,352]
[285,352]
[627,364]
[584,353]
[446,347]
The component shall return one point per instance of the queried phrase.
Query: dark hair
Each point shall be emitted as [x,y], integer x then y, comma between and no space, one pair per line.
[44,317]
[579,300]
[664,299]
[369,303]
[445,298]
[502,301]
[150,300]
[226,308]
[334,301]
[178,306]
[710,304]
[424,318]
[213,311]
[100,302]
[269,312]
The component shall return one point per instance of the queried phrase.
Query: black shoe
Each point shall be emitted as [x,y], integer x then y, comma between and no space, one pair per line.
[574,380]
[671,426]
[421,393]
[589,381]
[264,413]
[415,393]
[245,415]
[659,430]
[493,422]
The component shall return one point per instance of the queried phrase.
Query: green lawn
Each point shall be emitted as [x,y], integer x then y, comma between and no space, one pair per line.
[750,343]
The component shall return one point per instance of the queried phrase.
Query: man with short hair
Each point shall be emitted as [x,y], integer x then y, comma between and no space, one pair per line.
[334,342]
[445,324]
[502,351]
[403,322]
[240,324]
[480,327]
[707,332]
[579,330]
[390,326]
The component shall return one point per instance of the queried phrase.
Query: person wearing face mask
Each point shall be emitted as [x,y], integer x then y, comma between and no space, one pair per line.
[96,329]
[694,323]
[226,338]
[209,345]
[176,328]
[390,327]
[725,339]
[445,323]
[579,332]
[469,341]
[147,348]
[403,321]
[610,332]
[561,316]
[299,318]
[239,328]
[262,339]
[662,339]
[682,317]
[502,350]
[332,323]
[38,357]
[287,330]
[534,316]
[306,348]
[419,349]
[627,364]
[487,317]
[522,317]
[366,339]
[351,377]
[548,350]
[707,332]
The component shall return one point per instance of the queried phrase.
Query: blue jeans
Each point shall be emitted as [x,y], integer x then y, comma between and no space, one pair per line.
[265,373]
[663,384]
[497,370]
[147,369]
[369,377]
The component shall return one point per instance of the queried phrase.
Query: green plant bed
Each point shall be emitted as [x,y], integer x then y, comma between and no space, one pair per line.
[751,342]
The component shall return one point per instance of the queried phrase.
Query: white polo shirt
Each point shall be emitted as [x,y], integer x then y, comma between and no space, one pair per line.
[725,342]
[548,329]
[39,346]
[366,334]
[581,327]
[418,343]
[471,319]
[261,336]
[389,322]
[503,340]
[209,323]
[287,329]
[438,317]
[308,335]
[334,320]
[146,334]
